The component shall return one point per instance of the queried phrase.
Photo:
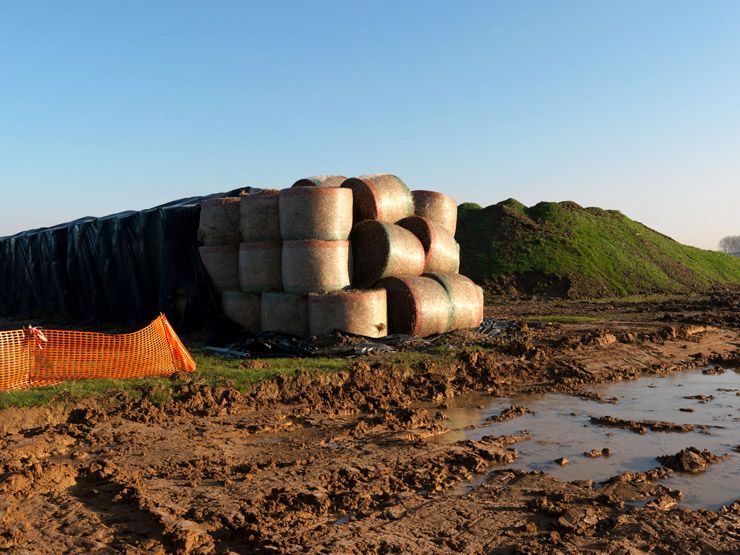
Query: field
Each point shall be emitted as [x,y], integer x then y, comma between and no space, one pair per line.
[384,453]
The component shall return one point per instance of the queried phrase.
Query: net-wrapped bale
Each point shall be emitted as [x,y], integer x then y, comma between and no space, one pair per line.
[321,181]
[380,249]
[466,299]
[315,266]
[219,221]
[442,253]
[417,305]
[362,312]
[322,213]
[285,313]
[259,216]
[437,207]
[261,266]
[382,197]
[222,266]
[243,308]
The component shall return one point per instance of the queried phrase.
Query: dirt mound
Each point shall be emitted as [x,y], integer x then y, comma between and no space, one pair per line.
[691,460]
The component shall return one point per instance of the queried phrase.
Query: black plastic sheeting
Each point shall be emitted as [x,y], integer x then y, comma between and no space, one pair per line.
[274,344]
[123,269]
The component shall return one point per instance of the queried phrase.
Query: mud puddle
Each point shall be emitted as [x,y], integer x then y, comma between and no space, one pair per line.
[561,426]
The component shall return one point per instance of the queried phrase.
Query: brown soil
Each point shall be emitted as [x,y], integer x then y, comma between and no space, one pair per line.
[345,462]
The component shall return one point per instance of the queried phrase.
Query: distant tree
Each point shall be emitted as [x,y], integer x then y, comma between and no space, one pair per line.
[731,243]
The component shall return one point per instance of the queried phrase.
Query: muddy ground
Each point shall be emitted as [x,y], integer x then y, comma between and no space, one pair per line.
[345,462]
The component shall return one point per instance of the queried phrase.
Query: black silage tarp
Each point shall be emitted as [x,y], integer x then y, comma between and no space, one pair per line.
[118,269]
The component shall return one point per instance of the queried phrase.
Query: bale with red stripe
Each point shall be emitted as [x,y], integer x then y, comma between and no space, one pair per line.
[466,299]
[219,221]
[261,266]
[315,266]
[259,216]
[417,305]
[321,181]
[362,312]
[437,207]
[285,313]
[442,253]
[243,308]
[381,249]
[222,266]
[323,213]
[382,197]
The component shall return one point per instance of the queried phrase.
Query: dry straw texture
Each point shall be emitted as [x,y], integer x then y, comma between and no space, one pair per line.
[362,312]
[222,265]
[261,266]
[381,197]
[243,308]
[219,221]
[442,251]
[315,266]
[417,305]
[437,207]
[315,213]
[285,313]
[321,181]
[380,249]
[466,299]
[259,219]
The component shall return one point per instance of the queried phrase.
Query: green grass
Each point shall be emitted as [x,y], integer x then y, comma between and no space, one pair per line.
[565,319]
[589,252]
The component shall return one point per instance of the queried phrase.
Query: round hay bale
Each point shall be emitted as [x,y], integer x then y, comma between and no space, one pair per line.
[321,213]
[380,249]
[259,219]
[261,266]
[222,265]
[466,299]
[437,207]
[315,266]
[382,197]
[219,221]
[243,308]
[417,305]
[285,313]
[362,312]
[321,181]
[442,253]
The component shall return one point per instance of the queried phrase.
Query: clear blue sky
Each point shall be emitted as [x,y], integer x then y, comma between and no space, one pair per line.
[633,105]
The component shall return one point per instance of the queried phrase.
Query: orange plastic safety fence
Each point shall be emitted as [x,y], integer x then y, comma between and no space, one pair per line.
[30,360]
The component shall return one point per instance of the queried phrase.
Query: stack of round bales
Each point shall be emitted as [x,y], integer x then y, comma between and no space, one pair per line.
[362,255]
[218,234]
[398,236]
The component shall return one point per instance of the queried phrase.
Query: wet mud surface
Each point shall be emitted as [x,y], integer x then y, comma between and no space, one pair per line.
[441,456]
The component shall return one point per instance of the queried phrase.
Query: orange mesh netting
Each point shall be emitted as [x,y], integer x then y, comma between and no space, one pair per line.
[31,358]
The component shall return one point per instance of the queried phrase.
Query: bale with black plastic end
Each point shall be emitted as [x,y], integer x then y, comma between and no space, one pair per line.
[417,305]
[219,221]
[361,312]
[322,213]
[259,216]
[285,313]
[243,308]
[381,249]
[222,266]
[382,197]
[315,266]
[466,299]
[261,266]
[321,181]
[437,207]
[442,253]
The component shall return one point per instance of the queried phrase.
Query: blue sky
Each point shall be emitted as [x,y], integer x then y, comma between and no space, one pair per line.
[633,105]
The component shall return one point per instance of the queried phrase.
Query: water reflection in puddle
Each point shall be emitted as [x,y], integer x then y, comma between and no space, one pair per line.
[560,427]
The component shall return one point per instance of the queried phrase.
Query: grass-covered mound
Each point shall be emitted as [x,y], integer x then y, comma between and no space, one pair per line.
[562,249]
